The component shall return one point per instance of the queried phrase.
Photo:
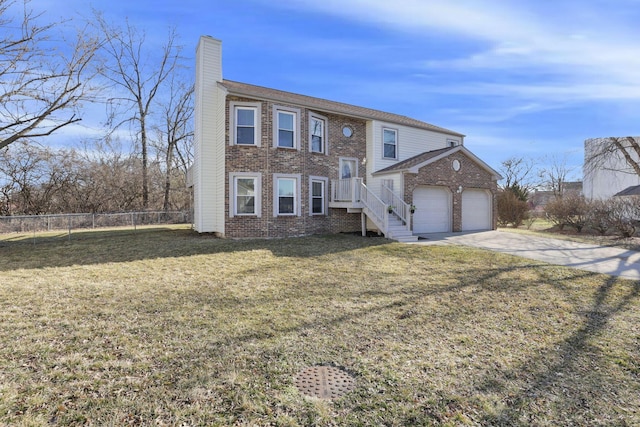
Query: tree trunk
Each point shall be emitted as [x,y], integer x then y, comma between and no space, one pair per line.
[145,162]
[167,177]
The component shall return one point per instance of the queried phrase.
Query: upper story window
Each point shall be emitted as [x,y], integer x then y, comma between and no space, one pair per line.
[245,122]
[453,142]
[317,134]
[286,130]
[389,143]
[286,127]
[246,126]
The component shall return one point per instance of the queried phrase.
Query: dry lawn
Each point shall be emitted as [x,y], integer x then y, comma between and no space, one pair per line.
[164,327]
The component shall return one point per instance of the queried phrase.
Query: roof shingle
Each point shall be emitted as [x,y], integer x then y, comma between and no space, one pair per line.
[415,160]
[324,105]
[634,190]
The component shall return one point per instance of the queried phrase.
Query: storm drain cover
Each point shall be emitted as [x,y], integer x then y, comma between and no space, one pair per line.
[325,382]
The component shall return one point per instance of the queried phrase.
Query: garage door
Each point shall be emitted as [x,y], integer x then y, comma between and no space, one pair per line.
[476,210]
[433,210]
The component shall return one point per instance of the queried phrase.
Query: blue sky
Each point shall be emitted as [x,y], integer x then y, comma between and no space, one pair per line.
[523,78]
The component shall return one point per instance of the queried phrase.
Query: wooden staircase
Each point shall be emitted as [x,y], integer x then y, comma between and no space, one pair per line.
[391,216]
[387,220]
[397,230]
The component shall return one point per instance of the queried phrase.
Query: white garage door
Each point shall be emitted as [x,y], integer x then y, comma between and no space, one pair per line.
[476,210]
[433,210]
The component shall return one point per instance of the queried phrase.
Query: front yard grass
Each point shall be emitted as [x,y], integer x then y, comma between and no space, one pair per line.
[164,327]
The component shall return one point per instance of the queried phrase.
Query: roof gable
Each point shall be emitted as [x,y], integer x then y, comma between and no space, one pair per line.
[634,190]
[415,163]
[324,105]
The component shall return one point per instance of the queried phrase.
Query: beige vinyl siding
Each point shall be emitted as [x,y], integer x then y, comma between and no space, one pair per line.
[218,160]
[369,167]
[209,139]
[374,183]
[410,142]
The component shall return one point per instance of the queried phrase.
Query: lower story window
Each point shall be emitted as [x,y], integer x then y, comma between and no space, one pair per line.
[286,196]
[318,195]
[245,197]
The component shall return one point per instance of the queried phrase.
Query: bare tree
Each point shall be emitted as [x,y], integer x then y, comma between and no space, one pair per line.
[601,153]
[518,176]
[23,169]
[43,81]
[136,77]
[176,134]
[555,175]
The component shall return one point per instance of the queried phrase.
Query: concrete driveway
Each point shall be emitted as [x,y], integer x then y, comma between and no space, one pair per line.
[584,256]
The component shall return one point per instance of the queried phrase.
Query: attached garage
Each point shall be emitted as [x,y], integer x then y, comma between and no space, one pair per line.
[476,209]
[433,210]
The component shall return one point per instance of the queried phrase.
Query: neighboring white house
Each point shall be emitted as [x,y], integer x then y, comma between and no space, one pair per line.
[609,177]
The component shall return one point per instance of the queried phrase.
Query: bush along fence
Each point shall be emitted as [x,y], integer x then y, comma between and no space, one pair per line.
[68,222]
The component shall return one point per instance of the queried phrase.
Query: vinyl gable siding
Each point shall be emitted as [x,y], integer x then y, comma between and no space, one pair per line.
[410,142]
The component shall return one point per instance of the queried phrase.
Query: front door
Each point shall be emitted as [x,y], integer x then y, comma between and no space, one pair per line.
[348,168]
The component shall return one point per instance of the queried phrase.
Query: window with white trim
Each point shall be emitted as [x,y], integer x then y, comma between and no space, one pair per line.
[389,143]
[317,195]
[287,195]
[245,126]
[245,188]
[317,134]
[245,123]
[286,127]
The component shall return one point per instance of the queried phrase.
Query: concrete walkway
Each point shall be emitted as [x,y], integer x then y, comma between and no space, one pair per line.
[585,256]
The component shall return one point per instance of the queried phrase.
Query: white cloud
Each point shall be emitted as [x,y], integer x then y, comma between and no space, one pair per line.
[485,19]
[581,50]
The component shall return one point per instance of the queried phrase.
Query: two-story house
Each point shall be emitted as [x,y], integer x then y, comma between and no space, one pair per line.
[270,163]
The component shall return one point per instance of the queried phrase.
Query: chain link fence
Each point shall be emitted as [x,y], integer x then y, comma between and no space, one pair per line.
[68,222]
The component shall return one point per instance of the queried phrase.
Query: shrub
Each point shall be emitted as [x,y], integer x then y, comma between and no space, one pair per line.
[511,209]
[557,212]
[624,212]
[600,217]
[571,210]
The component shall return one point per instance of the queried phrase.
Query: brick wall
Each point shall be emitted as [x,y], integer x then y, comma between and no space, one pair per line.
[441,173]
[269,160]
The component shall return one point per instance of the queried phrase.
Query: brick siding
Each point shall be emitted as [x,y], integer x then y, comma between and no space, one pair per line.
[269,160]
[441,173]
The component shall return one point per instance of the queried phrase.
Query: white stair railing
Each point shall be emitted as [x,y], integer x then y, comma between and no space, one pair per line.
[341,190]
[376,209]
[399,206]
